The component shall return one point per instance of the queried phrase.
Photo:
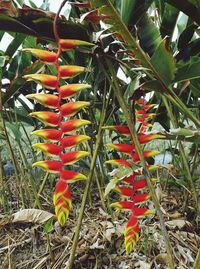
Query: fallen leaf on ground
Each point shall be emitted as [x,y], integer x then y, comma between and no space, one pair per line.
[162,258]
[177,223]
[96,245]
[31,215]
[109,229]
[143,265]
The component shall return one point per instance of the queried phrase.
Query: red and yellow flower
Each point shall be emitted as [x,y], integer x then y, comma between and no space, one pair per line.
[69,90]
[69,44]
[44,55]
[131,186]
[47,100]
[62,197]
[47,81]
[69,71]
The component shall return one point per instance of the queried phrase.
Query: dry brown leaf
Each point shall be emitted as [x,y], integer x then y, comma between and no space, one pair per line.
[31,215]
[177,223]
[96,245]
[162,258]
[143,265]
[109,229]
[174,215]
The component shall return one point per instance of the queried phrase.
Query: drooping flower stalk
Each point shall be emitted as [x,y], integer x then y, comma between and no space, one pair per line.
[132,186]
[57,142]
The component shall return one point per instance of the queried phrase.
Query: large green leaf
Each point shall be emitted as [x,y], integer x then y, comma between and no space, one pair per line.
[188,8]
[135,12]
[186,36]
[14,45]
[188,71]
[127,8]
[169,20]
[183,134]
[149,34]
[39,23]
[18,83]
[164,63]
[192,48]
[195,87]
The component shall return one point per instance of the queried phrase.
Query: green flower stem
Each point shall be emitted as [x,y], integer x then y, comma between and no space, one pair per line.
[3,198]
[42,186]
[31,179]
[182,107]
[14,162]
[89,181]
[28,139]
[96,175]
[183,156]
[138,148]
[100,190]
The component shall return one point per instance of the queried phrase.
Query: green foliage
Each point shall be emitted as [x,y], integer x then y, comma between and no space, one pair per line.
[164,63]
[166,70]
[188,71]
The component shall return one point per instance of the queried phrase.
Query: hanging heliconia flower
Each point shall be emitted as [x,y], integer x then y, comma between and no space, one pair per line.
[59,135]
[132,186]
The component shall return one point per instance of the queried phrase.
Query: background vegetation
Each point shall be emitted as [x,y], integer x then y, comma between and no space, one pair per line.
[159,60]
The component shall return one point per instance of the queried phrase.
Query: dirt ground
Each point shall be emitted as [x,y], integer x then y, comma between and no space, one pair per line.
[26,244]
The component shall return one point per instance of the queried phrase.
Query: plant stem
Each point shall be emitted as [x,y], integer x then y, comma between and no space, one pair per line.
[87,188]
[197,261]
[14,162]
[3,198]
[100,190]
[31,179]
[29,141]
[183,156]
[42,186]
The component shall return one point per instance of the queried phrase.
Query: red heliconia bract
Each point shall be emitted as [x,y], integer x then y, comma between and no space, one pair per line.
[143,138]
[73,125]
[146,154]
[47,81]
[49,165]
[47,100]
[121,129]
[119,162]
[69,71]
[48,148]
[73,140]
[131,178]
[70,109]
[69,44]
[69,90]
[131,233]
[44,55]
[125,148]
[73,156]
[62,201]
[62,197]
[71,176]
[47,117]
[48,134]
[125,191]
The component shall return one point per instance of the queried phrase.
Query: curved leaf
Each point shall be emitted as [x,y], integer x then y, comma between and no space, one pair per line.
[164,63]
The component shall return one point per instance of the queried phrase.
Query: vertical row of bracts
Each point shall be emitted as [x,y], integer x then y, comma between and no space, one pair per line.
[59,134]
[132,185]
